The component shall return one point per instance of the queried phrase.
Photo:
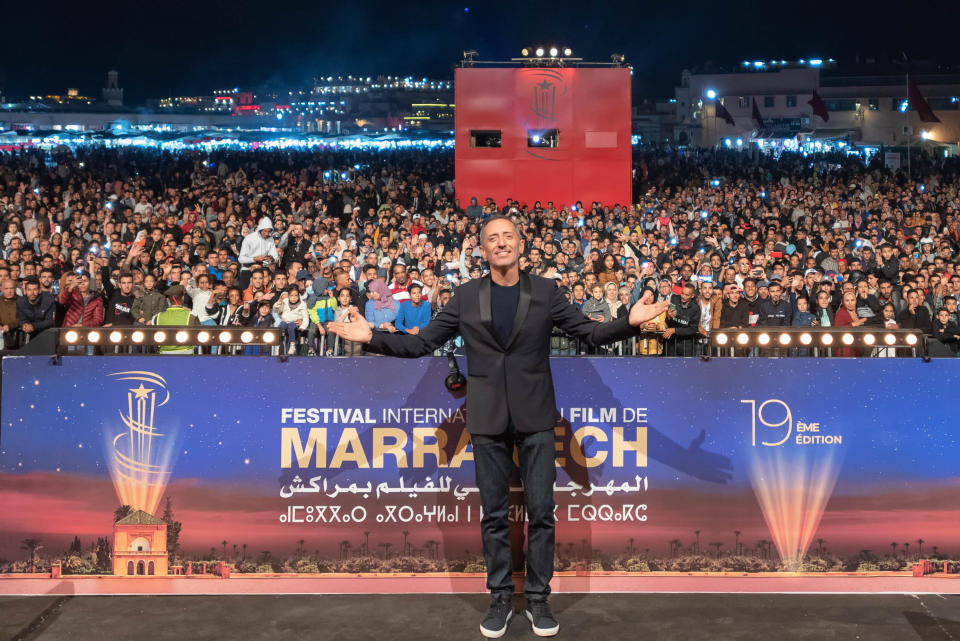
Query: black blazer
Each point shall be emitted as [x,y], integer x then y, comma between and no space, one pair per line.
[506,381]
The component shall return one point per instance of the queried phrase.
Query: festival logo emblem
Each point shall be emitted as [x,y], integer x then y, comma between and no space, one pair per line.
[141,456]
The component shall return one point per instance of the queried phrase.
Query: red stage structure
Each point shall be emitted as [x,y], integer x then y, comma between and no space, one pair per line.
[556,134]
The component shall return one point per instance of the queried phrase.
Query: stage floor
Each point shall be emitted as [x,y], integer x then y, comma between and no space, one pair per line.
[674,617]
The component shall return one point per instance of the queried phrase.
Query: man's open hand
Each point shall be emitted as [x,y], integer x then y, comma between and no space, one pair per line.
[641,313]
[357,330]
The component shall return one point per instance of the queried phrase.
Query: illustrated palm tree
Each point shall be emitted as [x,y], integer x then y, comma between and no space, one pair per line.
[717,545]
[346,549]
[404,548]
[121,512]
[343,547]
[234,550]
[674,547]
[244,546]
[736,542]
[583,548]
[920,543]
[430,546]
[697,533]
[386,549]
[32,546]
[300,547]
[935,553]
[762,544]
[630,546]
[906,550]
[820,547]
[893,546]
[366,545]
[224,544]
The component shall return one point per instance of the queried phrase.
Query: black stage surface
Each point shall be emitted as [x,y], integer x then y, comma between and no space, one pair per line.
[637,617]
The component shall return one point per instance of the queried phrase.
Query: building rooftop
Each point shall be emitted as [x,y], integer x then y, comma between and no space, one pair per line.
[139,517]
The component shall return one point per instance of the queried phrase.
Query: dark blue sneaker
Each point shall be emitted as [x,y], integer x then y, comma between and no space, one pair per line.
[541,617]
[497,618]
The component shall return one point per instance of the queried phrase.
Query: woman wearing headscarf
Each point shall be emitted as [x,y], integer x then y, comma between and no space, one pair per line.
[380,310]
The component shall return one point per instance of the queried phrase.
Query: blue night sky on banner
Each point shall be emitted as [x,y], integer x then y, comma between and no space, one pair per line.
[225,412]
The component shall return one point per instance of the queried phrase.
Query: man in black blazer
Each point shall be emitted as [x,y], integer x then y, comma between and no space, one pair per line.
[505,321]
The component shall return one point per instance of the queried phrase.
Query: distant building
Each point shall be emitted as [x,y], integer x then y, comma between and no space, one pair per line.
[866,104]
[140,545]
[112,94]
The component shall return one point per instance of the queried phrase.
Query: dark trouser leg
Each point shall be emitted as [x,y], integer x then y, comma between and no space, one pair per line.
[493,457]
[539,471]
[244,278]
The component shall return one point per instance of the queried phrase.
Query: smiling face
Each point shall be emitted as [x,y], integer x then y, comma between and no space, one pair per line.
[501,244]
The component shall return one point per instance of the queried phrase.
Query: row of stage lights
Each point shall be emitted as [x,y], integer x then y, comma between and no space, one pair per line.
[814,338]
[540,52]
[150,336]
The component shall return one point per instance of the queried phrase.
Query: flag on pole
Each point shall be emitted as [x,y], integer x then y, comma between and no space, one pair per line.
[756,114]
[819,107]
[722,112]
[918,102]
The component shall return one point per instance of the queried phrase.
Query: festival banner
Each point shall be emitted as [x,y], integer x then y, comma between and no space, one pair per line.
[154,465]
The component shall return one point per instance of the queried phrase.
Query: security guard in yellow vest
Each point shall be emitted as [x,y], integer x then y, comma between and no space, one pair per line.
[175,315]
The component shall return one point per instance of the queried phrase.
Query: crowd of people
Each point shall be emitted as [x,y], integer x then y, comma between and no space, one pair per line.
[96,237]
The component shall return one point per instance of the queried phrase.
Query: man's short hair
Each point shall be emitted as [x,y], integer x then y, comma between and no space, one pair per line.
[415,286]
[498,217]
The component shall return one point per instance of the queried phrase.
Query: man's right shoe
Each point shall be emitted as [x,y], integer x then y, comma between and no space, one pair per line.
[497,618]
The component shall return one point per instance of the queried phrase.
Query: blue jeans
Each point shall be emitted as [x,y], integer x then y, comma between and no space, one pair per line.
[493,456]
[291,329]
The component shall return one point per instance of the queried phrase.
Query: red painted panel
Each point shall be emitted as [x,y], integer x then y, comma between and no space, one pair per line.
[517,101]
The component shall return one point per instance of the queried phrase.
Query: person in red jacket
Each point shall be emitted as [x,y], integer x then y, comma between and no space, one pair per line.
[84,307]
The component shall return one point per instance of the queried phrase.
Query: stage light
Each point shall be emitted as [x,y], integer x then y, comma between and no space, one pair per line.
[847,339]
[536,139]
[539,52]
[137,336]
[225,337]
[159,337]
[553,52]
[742,339]
[93,337]
[203,337]
[181,336]
[71,336]
[827,339]
[711,94]
[115,337]
[721,339]
[269,337]
[567,51]
[889,339]
[869,339]
[246,337]
[926,135]
[911,339]
[784,339]
[763,339]
[806,338]
[524,52]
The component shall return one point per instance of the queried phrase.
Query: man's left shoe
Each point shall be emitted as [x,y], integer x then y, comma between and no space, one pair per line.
[540,615]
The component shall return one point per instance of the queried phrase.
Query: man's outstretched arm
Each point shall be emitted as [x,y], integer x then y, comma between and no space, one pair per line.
[571,320]
[436,333]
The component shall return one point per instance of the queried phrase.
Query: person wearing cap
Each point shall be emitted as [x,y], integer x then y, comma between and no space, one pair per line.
[258,249]
[321,312]
[175,315]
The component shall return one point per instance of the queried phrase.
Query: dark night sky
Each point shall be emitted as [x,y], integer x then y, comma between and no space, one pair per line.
[186,47]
